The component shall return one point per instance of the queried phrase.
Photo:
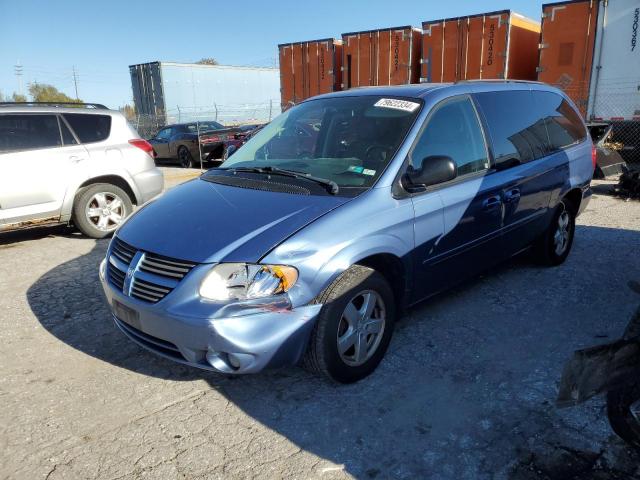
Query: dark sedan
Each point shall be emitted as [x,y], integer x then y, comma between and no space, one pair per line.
[179,142]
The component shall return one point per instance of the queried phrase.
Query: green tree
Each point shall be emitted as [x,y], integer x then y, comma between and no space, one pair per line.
[207,61]
[41,92]
[18,97]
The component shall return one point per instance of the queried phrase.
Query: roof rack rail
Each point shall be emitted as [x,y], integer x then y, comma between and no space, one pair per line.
[498,80]
[54,104]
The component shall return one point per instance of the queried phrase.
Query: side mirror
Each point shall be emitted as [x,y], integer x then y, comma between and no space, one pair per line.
[435,169]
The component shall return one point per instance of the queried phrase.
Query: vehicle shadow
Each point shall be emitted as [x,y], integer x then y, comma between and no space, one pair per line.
[14,237]
[465,391]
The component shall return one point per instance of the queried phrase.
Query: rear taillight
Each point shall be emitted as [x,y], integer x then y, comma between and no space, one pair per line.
[143,145]
[211,139]
[594,155]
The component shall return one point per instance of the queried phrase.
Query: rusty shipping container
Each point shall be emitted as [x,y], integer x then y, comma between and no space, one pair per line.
[566,47]
[589,49]
[309,68]
[390,56]
[499,44]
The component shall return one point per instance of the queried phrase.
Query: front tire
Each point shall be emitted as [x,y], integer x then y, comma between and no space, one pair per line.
[354,327]
[100,208]
[554,246]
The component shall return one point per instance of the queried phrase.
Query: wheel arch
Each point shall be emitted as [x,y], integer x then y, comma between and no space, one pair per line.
[113,180]
[392,268]
[575,198]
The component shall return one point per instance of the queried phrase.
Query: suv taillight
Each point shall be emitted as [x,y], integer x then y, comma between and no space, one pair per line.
[143,145]
[594,155]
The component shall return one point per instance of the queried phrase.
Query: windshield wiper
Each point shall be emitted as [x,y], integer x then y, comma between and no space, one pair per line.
[331,186]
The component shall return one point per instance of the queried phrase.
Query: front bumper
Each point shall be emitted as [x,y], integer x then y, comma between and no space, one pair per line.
[232,339]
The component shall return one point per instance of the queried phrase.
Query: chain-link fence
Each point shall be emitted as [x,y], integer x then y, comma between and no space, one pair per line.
[228,115]
[614,102]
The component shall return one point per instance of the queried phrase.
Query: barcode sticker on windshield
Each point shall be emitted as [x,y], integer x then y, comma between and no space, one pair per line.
[397,104]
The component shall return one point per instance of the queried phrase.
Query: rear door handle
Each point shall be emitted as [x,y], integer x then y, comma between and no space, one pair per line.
[76,159]
[491,203]
[512,195]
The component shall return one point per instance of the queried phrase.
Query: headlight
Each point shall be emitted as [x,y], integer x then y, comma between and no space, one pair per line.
[239,281]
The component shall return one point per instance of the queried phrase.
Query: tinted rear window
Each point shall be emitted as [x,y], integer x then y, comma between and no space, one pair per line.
[517,130]
[564,125]
[26,132]
[89,128]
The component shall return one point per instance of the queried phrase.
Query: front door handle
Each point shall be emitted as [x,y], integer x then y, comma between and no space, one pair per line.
[491,203]
[75,159]
[512,195]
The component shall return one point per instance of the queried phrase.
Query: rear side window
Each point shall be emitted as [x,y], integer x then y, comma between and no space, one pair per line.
[564,125]
[89,128]
[28,132]
[453,130]
[517,132]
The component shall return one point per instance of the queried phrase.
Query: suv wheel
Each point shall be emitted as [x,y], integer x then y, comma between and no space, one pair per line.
[555,244]
[184,155]
[99,209]
[354,327]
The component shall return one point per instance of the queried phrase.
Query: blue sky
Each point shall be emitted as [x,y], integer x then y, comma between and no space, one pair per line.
[102,38]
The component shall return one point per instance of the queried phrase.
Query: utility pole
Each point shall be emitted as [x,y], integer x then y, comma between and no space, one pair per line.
[17,68]
[75,81]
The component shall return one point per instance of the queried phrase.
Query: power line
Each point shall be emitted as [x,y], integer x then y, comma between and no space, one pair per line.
[17,68]
[75,81]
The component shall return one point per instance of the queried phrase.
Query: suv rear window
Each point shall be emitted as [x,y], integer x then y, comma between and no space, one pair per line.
[28,132]
[89,128]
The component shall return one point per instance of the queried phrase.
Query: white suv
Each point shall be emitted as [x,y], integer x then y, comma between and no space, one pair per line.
[60,164]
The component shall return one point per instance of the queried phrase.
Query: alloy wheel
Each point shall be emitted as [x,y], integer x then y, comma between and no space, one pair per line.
[561,236]
[361,328]
[105,210]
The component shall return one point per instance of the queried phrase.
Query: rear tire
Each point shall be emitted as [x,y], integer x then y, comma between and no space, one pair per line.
[553,247]
[185,158]
[99,209]
[354,327]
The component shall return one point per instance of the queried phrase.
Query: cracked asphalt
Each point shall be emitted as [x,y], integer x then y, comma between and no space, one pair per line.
[466,390]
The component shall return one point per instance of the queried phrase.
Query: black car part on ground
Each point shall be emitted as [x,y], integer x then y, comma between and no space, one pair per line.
[629,185]
[613,368]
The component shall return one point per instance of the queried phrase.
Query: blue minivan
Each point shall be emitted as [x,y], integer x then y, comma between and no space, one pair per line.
[308,242]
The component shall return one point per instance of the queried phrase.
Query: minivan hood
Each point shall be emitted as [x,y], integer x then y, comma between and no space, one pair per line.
[203,222]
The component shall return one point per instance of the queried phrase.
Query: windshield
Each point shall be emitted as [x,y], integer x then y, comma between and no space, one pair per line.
[348,140]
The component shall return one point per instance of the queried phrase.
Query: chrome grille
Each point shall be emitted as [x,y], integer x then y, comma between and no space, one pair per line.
[167,267]
[161,274]
[148,291]
[116,277]
[123,251]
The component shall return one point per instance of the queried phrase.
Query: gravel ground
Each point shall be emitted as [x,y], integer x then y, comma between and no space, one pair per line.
[466,390]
